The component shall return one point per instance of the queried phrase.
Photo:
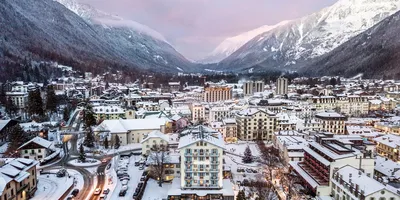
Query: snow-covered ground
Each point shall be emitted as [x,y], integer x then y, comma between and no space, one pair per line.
[152,186]
[88,163]
[51,187]
[134,174]
[239,148]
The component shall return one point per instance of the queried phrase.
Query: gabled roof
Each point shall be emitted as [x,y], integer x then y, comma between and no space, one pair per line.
[156,134]
[202,133]
[39,141]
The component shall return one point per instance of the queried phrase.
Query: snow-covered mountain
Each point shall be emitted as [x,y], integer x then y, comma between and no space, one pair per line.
[79,35]
[310,36]
[230,45]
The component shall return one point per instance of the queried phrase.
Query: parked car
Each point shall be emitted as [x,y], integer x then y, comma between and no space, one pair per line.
[137,163]
[141,167]
[145,173]
[122,193]
[75,192]
[106,191]
[142,178]
[124,182]
[249,170]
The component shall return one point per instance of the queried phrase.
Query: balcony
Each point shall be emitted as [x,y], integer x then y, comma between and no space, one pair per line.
[188,178]
[214,154]
[214,178]
[214,162]
[214,170]
[22,188]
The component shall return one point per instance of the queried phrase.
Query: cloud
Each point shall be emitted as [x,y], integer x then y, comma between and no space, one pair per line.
[196,27]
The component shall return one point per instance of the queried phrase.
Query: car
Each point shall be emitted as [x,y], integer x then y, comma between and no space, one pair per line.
[124,187]
[137,163]
[104,160]
[97,191]
[140,185]
[122,193]
[254,171]
[248,170]
[124,182]
[141,167]
[75,192]
[142,178]
[145,173]
[135,194]
[70,198]
[124,178]
[137,189]
[106,191]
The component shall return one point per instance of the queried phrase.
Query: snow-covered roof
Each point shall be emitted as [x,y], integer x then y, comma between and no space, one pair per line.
[39,141]
[368,184]
[329,114]
[303,174]
[332,154]
[201,133]
[3,123]
[15,169]
[125,125]
[389,140]
[156,134]
[387,167]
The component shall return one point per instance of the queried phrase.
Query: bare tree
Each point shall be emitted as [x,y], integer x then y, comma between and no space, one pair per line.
[159,156]
[263,189]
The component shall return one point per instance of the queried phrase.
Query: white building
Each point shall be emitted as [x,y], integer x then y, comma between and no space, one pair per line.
[35,149]
[201,151]
[282,86]
[255,123]
[351,183]
[218,113]
[154,138]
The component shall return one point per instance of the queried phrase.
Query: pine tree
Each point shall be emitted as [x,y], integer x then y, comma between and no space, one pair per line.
[16,136]
[66,113]
[82,155]
[3,99]
[248,157]
[241,195]
[106,142]
[11,108]
[88,117]
[89,139]
[116,142]
[35,103]
[51,99]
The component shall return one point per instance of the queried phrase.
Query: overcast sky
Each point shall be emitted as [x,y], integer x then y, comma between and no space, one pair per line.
[196,27]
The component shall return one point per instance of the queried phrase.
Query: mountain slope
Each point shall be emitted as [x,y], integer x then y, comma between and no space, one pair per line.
[374,53]
[43,29]
[310,36]
[230,45]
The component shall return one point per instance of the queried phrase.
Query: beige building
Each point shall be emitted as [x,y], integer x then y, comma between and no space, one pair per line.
[129,130]
[352,105]
[18,179]
[198,112]
[388,146]
[230,130]
[217,93]
[255,123]
[282,86]
[331,122]
[35,149]
[154,138]
[108,112]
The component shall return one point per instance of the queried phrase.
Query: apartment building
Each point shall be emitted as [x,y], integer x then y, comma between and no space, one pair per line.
[217,93]
[353,105]
[282,86]
[218,113]
[323,157]
[19,99]
[351,183]
[230,130]
[251,87]
[255,123]
[388,146]
[290,146]
[201,151]
[108,112]
[198,112]
[18,179]
[331,122]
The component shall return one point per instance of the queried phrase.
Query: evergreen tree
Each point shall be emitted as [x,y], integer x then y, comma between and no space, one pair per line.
[248,157]
[89,139]
[88,117]
[241,195]
[116,142]
[3,99]
[35,103]
[66,113]
[11,108]
[16,136]
[82,154]
[51,99]
[106,142]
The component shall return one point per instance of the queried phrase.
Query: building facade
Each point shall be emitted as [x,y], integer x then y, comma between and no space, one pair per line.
[282,86]
[255,123]
[331,122]
[217,93]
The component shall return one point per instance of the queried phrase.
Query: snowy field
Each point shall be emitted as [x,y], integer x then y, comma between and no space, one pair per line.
[51,187]
[241,146]
[88,163]
[162,192]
